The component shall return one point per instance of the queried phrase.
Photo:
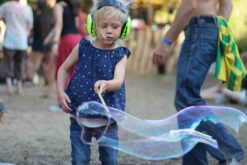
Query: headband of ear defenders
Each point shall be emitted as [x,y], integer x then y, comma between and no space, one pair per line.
[126,27]
[114,3]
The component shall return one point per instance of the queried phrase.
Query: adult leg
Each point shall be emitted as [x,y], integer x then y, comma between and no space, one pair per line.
[229,148]
[20,62]
[197,54]
[8,68]
[9,85]
[212,92]
[184,90]
[49,72]
[34,61]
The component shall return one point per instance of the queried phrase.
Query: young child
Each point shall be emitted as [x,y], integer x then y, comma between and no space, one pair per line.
[100,65]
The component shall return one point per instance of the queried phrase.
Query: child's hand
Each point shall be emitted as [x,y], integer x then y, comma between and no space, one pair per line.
[63,99]
[101,86]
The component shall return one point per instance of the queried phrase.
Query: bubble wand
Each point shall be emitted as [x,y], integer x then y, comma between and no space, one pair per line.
[86,122]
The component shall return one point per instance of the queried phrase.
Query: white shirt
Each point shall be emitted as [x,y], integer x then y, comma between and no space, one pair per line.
[18,19]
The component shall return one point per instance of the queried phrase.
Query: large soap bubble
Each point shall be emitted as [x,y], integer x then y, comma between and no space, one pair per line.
[170,137]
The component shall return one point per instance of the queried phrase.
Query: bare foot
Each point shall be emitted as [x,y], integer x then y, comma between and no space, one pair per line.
[19,88]
[9,86]
[19,93]
[10,93]
[10,90]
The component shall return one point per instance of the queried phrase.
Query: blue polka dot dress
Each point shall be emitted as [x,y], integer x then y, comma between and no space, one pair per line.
[95,64]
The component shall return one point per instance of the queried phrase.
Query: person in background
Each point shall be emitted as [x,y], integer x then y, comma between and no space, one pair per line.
[220,94]
[18,19]
[64,35]
[81,24]
[42,54]
[198,18]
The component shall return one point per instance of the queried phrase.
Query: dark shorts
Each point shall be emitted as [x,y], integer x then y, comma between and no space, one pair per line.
[14,63]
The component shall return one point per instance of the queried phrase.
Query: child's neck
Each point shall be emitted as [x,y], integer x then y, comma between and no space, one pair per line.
[98,44]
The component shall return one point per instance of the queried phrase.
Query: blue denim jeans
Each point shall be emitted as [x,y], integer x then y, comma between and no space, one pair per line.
[197,54]
[81,152]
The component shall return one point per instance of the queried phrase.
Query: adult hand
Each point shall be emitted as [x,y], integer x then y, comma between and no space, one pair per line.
[54,49]
[63,100]
[48,39]
[160,53]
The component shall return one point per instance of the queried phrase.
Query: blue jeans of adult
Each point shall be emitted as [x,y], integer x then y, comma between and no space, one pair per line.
[81,152]
[197,54]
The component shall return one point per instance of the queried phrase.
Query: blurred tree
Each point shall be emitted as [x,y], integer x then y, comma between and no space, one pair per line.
[28,1]
[2,1]
[238,23]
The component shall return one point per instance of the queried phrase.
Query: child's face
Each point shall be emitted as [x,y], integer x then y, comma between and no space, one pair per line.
[109,30]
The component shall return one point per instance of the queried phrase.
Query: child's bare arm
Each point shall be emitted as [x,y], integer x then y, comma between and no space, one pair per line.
[63,72]
[116,82]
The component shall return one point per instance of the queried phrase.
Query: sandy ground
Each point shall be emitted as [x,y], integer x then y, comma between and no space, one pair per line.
[30,134]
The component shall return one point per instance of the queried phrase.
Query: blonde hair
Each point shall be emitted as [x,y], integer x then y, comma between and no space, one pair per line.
[109,12]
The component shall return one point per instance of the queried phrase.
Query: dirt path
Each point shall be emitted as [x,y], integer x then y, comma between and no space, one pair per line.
[30,134]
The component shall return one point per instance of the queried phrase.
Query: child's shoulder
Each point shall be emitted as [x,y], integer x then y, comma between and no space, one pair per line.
[124,50]
[85,41]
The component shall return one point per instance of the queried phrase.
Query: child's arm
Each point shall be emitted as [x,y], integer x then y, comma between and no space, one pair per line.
[63,72]
[116,82]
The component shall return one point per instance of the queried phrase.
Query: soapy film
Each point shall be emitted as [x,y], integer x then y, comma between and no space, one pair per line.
[166,138]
